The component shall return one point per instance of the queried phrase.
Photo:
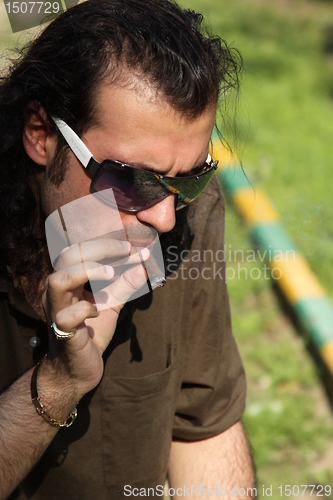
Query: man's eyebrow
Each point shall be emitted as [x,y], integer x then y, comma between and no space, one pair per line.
[143,166]
[196,168]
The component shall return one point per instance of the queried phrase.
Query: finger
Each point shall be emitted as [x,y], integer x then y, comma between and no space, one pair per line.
[118,293]
[66,286]
[76,276]
[92,250]
[133,259]
[74,315]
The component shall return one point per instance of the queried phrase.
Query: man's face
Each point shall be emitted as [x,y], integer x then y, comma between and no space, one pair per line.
[136,127]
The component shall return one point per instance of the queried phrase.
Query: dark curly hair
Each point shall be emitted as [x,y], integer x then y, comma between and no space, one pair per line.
[61,71]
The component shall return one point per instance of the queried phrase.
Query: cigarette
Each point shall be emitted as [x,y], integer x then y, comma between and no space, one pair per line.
[155,277]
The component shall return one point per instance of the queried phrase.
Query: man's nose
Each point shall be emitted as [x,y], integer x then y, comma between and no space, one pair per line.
[160,216]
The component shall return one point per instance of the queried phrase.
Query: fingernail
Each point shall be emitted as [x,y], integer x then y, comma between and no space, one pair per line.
[109,271]
[145,253]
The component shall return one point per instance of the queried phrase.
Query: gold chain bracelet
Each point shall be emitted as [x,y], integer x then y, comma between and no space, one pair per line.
[40,407]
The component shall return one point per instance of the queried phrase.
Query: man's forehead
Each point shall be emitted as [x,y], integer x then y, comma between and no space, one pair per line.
[144,96]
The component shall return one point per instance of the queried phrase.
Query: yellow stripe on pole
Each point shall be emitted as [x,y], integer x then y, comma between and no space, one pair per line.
[254,206]
[295,278]
[225,157]
[327,355]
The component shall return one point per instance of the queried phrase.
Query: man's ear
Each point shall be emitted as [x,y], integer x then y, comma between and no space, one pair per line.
[38,140]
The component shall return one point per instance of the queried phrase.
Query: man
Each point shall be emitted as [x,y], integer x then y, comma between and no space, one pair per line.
[159,381]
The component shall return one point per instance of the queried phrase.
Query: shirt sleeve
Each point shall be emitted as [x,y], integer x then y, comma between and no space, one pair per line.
[213,388]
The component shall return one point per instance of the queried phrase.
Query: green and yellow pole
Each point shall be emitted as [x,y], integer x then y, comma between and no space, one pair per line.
[296,280]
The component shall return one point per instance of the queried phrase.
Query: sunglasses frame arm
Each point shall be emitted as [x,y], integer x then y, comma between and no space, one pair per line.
[78,147]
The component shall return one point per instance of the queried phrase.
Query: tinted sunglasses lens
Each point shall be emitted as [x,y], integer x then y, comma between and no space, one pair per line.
[133,189]
[190,188]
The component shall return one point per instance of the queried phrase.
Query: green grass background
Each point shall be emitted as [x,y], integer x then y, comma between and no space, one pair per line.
[285,130]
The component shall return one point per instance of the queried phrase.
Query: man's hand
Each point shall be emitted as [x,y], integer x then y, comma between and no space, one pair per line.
[68,304]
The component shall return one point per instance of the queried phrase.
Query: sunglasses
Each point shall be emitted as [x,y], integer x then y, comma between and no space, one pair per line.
[135,189]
